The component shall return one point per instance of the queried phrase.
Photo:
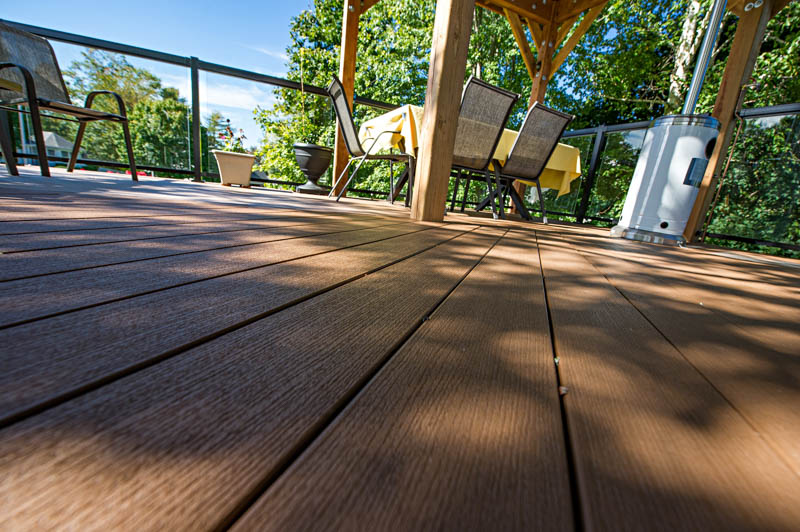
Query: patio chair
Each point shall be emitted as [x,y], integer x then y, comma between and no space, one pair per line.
[535,143]
[29,75]
[483,113]
[357,152]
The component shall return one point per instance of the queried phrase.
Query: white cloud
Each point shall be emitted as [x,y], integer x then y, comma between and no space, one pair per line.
[226,95]
[266,51]
[229,95]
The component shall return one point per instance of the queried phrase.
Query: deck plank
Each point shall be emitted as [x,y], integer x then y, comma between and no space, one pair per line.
[42,296]
[46,360]
[60,260]
[461,430]
[748,352]
[183,444]
[655,446]
[29,241]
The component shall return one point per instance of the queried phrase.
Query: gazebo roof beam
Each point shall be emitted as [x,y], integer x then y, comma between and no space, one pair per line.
[366,4]
[567,9]
[577,35]
[522,41]
[564,28]
[536,10]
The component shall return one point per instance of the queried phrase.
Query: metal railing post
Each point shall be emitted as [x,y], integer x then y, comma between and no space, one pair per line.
[196,145]
[594,164]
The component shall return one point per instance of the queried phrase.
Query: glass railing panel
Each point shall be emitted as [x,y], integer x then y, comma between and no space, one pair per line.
[759,196]
[618,161]
[158,103]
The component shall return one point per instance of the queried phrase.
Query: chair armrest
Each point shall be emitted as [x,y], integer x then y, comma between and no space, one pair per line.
[26,75]
[376,139]
[120,103]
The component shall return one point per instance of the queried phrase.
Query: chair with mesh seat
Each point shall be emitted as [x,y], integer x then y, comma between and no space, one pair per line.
[482,116]
[30,76]
[535,143]
[357,152]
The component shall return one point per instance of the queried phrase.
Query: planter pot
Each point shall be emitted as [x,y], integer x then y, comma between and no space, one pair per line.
[313,160]
[234,168]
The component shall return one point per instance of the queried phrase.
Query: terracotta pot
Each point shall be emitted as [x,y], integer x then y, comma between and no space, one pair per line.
[313,160]
[234,168]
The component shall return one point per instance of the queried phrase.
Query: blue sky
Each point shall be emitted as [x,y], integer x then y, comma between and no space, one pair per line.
[246,34]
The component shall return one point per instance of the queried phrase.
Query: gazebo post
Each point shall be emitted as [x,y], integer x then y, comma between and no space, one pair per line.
[744,51]
[347,75]
[451,33]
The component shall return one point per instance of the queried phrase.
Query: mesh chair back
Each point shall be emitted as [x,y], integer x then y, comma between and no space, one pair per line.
[35,54]
[336,92]
[536,141]
[483,114]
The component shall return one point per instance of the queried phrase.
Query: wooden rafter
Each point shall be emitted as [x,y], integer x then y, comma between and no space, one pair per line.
[563,30]
[522,41]
[577,35]
[366,4]
[539,10]
[536,32]
[567,10]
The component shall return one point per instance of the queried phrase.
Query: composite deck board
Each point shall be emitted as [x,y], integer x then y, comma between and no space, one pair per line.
[211,224]
[58,260]
[37,297]
[461,430]
[756,371]
[46,360]
[184,444]
[655,446]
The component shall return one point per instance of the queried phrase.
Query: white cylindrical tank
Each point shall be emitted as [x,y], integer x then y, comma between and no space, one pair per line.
[668,173]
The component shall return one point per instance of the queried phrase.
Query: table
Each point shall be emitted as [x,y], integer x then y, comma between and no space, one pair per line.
[562,168]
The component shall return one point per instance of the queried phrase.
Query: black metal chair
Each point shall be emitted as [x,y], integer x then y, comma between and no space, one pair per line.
[29,75]
[535,143]
[357,152]
[482,116]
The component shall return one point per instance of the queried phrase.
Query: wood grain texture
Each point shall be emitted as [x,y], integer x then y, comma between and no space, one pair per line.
[60,260]
[460,431]
[210,224]
[38,297]
[46,359]
[182,444]
[656,446]
[750,352]
[451,31]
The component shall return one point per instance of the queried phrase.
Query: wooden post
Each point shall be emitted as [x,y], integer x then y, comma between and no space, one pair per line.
[347,75]
[744,51]
[451,31]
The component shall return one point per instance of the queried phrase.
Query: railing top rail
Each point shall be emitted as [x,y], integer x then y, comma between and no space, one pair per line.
[163,57]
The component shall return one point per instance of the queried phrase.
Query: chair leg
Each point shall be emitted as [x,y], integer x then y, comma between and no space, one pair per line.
[129,147]
[500,195]
[7,144]
[391,182]
[491,194]
[455,192]
[466,193]
[350,179]
[541,201]
[520,205]
[38,133]
[76,148]
[411,170]
[333,187]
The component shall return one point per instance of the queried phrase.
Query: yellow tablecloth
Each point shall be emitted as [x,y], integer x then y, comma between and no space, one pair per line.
[564,165]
